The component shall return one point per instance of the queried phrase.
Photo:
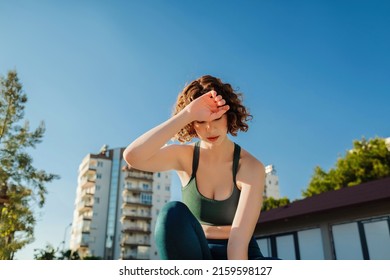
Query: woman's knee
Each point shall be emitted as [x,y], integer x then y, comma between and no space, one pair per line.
[173,214]
[174,205]
[174,209]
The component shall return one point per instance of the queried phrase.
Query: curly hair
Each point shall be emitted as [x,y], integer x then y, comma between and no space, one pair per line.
[237,115]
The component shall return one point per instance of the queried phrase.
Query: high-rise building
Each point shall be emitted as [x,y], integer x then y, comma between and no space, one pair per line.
[116,207]
[271,183]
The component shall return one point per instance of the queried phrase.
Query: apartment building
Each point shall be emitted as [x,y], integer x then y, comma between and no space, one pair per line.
[116,207]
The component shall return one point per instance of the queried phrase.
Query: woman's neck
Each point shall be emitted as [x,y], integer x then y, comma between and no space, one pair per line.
[217,152]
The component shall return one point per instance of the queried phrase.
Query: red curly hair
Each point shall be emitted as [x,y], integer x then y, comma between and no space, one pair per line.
[237,115]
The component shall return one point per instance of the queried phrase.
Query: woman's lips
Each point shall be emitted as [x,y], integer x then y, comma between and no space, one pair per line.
[212,139]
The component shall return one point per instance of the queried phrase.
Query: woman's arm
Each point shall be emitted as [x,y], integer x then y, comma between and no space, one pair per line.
[251,178]
[149,153]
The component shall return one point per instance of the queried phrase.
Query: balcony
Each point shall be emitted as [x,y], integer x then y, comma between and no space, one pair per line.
[131,215]
[84,240]
[88,170]
[136,189]
[134,228]
[135,242]
[88,192]
[135,201]
[86,215]
[86,229]
[137,174]
[87,182]
[84,206]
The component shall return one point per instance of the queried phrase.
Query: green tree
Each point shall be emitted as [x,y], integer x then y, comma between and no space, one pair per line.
[69,255]
[51,253]
[368,160]
[22,186]
[270,203]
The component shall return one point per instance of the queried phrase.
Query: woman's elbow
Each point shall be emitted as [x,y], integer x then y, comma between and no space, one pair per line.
[130,156]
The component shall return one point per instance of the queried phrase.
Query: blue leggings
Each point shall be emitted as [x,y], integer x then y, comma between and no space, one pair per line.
[179,236]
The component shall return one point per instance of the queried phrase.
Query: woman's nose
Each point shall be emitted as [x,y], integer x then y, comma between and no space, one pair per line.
[209,125]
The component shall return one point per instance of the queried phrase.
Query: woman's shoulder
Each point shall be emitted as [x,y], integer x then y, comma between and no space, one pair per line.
[182,151]
[184,154]
[249,163]
[251,171]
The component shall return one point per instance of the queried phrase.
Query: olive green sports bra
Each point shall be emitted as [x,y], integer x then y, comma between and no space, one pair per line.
[209,211]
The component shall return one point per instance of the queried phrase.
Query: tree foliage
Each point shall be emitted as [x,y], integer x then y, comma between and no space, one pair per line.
[270,203]
[368,160]
[51,253]
[21,184]
[48,253]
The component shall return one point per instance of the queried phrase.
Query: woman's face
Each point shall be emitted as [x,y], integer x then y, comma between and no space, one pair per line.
[212,132]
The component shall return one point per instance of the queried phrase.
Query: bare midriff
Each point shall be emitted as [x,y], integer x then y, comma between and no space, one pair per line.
[216,232]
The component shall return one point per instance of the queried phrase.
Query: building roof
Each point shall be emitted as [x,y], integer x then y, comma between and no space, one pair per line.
[360,194]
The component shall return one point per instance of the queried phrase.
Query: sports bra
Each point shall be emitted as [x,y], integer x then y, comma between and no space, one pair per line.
[209,211]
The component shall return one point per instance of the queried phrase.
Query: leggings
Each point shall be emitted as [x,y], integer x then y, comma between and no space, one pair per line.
[179,236]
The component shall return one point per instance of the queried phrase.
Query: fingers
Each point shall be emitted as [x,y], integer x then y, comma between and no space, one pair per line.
[217,103]
[224,108]
[211,94]
[221,110]
[221,102]
[218,99]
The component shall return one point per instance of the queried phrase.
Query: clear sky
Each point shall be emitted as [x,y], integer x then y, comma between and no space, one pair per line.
[315,76]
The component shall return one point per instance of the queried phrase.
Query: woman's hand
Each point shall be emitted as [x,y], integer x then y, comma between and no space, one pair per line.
[208,107]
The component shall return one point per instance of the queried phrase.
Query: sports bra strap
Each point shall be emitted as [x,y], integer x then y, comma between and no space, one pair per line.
[195,159]
[236,160]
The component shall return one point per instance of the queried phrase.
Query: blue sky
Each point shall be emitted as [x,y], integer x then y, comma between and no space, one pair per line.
[315,76]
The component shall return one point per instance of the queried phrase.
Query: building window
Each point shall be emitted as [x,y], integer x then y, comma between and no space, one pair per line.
[310,244]
[100,164]
[146,198]
[97,200]
[98,176]
[158,174]
[377,235]
[347,242]
[368,238]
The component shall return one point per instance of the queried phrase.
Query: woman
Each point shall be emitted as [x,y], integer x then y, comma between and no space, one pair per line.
[223,184]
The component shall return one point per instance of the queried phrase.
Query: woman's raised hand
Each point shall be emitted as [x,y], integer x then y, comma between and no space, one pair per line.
[208,107]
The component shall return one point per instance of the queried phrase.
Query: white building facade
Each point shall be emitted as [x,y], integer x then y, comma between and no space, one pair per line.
[116,207]
[271,183]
